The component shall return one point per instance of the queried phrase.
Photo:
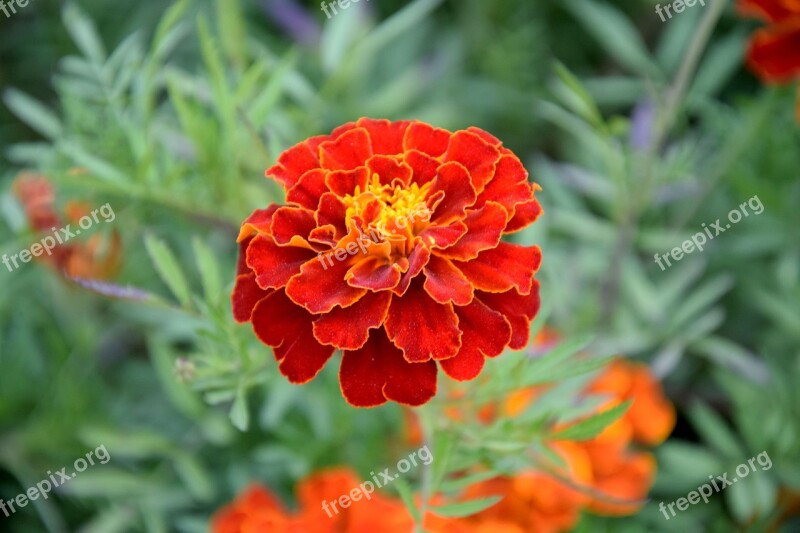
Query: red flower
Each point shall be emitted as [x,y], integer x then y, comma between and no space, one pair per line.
[774,51]
[389,249]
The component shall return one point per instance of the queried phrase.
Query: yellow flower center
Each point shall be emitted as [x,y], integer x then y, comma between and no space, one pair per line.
[394,211]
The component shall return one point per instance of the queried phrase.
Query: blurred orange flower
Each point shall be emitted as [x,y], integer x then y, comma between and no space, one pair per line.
[97,258]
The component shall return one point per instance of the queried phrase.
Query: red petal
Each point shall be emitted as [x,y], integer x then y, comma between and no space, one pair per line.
[445,283]
[503,268]
[486,136]
[246,294]
[308,189]
[407,383]
[374,273]
[259,221]
[426,139]
[465,366]
[774,52]
[293,163]
[486,333]
[386,136]
[321,286]
[478,156]
[509,186]
[286,327]
[768,10]
[241,263]
[389,169]
[424,166]
[378,372]
[348,329]
[292,226]
[526,214]
[332,211]
[274,265]
[444,236]
[518,309]
[417,260]
[361,375]
[348,151]
[422,328]
[344,182]
[484,229]
[452,179]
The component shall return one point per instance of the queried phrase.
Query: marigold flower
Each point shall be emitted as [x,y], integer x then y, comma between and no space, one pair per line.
[97,258]
[390,249]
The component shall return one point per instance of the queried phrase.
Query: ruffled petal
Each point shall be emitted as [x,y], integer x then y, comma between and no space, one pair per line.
[519,310]
[286,327]
[374,273]
[509,186]
[525,214]
[426,139]
[485,226]
[259,221]
[348,151]
[274,265]
[293,163]
[348,329]
[386,136]
[424,166]
[475,154]
[445,283]
[378,372]
[417,260]
[422,328]
[320,285]
[503,268]
[246,294]
[291,226]
[344,182]
[389,169]
[308,189]
[452,179]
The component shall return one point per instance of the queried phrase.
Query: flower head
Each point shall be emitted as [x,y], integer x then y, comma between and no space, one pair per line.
[390,249]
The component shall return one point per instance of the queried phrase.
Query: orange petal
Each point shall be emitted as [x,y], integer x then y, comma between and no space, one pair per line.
[452,179]
[518,309]
[774,52]
[484,229]
[426,139]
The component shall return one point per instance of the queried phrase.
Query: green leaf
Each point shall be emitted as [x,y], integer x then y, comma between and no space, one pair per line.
[616,34]
[714,431]
[33,113]
[209,271]
[97,166]
[83,33]
[168,269]
[240,415]
[468,508]
[592,426]
[461,483]
[408,499]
